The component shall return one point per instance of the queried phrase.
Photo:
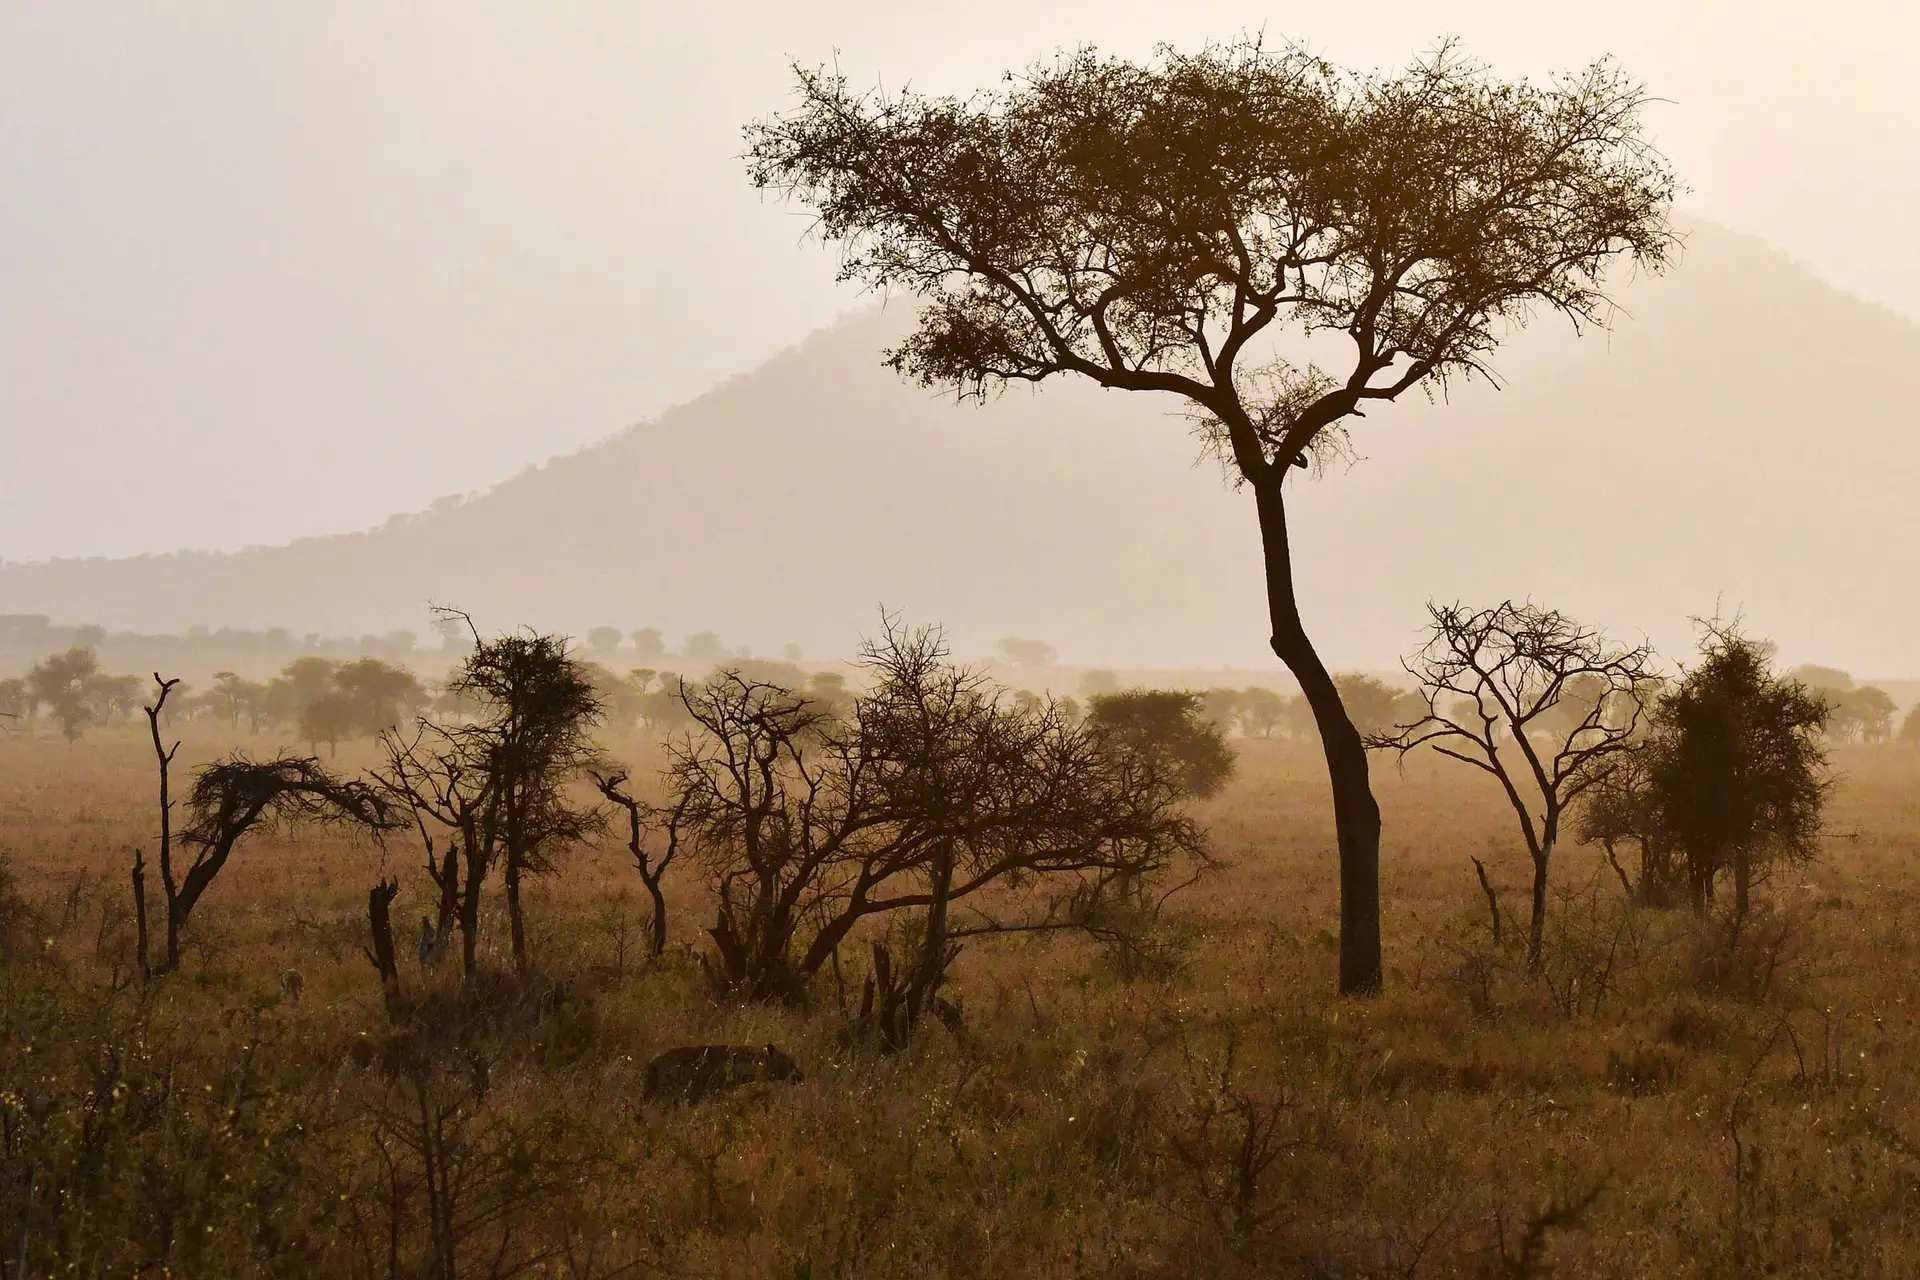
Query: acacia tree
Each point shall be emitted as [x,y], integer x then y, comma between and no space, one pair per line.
[1566,701]
[534,738]
[235,796]
[1736,769]
[1155,227]
[498,783]
[1864,714]
[65,682]
[1172,723]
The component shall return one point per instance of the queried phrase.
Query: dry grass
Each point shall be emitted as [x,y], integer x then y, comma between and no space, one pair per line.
[1653,1105]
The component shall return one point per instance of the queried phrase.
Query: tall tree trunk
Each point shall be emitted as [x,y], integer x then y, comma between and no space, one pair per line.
[514,917]
[657,929]
[448,882]
[383,957]
[167,884]
[1356,815]
[1493,899]
[933,947]
[470,907]
[1537,926]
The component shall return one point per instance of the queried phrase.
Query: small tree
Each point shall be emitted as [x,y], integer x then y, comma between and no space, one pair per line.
[1737,772]
[379,695]
[1862,714]
[1172,724]
[1151,227]
[1619,807]
[236,696]
[164,759]
[930,790]
[1566,701]
[1028,655]
[327,719]
[448,789]
[703,649]
[234,796]
[540,708]
[1262,711]
[63,684]
[1375,705]
[112,698]
[500,782]
[1910,728]
[1221,707]
[643,820]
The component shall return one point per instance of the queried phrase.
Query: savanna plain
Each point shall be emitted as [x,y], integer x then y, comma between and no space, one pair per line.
[1658,1099]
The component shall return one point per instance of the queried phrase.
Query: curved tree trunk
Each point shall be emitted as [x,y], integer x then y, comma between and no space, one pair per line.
[383,957]
[657,930]
[1356,816]
[470,907]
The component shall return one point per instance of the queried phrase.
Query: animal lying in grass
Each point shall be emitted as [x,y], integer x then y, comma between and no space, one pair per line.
[694,1072]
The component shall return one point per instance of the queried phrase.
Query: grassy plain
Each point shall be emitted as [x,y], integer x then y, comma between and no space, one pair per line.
[1656,1103]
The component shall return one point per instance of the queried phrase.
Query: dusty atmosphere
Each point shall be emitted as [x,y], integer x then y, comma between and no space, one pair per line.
[1027,640]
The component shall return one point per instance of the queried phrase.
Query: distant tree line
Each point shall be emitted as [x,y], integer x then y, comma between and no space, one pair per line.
[27,637]
[1258,712]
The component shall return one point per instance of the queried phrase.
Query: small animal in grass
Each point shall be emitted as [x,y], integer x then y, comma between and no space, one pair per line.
[694,1072]
[429,947]
[291,984]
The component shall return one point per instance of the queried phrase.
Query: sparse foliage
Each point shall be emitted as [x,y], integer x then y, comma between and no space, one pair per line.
[1566,701]
[932,790]
[643,820]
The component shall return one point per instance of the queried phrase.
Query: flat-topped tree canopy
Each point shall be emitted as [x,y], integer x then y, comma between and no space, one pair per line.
[1143,225]
[1156,226]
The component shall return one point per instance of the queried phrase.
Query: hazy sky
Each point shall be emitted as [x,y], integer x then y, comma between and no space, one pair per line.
[271,270]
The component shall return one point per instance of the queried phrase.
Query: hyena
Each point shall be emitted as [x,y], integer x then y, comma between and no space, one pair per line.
[694,1072]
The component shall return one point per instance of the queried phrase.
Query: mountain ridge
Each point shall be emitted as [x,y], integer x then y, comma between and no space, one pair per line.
[1741,435]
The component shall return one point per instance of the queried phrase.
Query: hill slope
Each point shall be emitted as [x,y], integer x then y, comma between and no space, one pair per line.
[1746,435]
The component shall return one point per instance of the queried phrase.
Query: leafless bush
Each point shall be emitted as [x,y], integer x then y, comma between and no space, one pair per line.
[931,791]
[1231,1137]
[460,1186]
[1596,939]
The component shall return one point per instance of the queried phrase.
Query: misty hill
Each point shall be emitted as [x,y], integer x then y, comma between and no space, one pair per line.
[1746,434]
